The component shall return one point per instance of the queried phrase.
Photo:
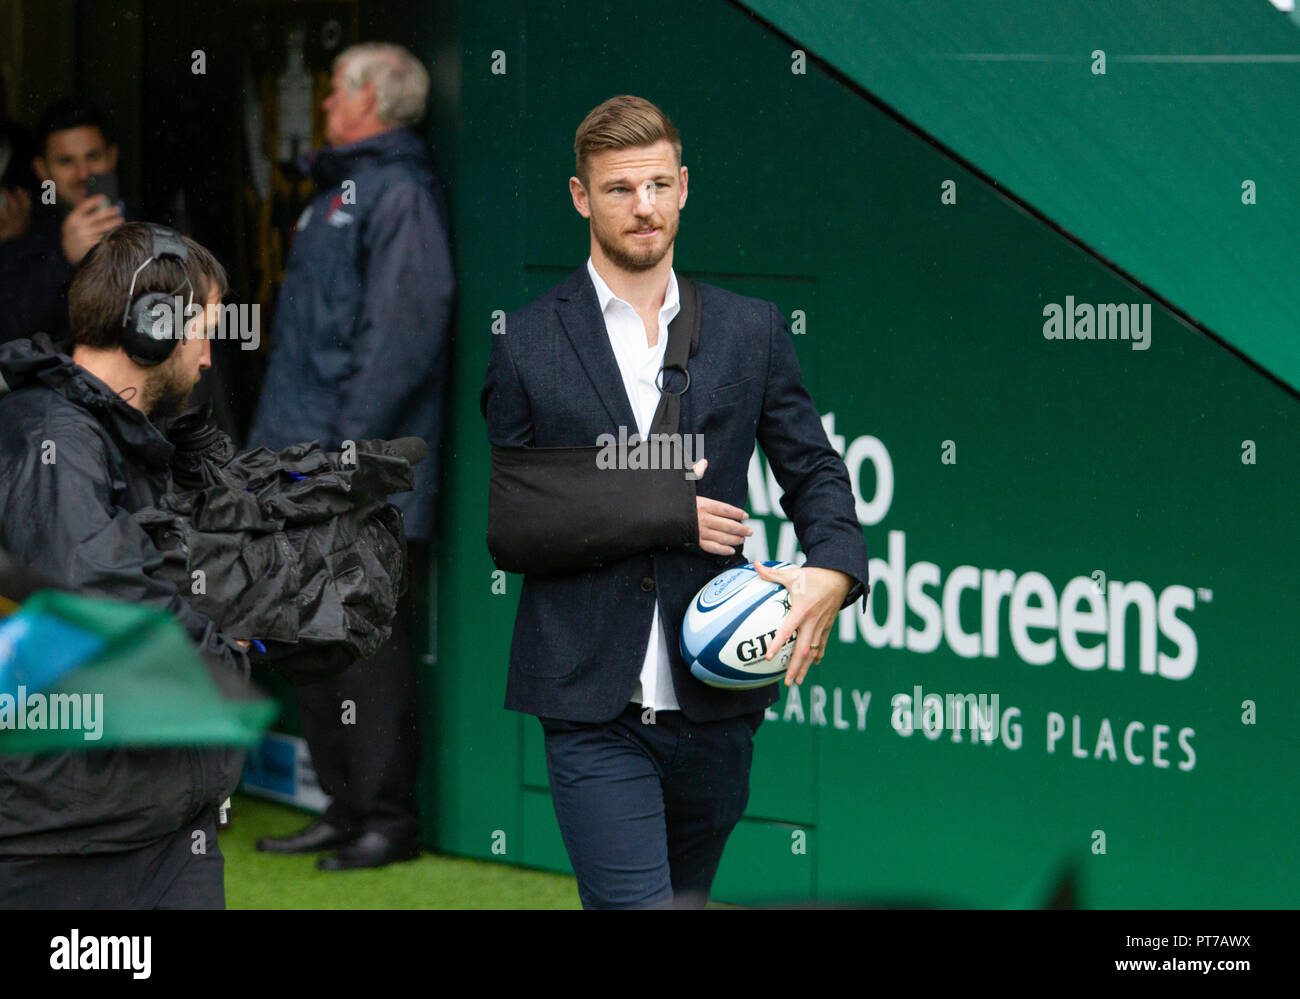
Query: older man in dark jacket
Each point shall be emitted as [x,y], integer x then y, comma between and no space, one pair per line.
[79,454]
[360,351]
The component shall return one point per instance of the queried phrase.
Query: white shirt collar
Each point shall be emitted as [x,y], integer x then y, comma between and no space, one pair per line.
[604,295]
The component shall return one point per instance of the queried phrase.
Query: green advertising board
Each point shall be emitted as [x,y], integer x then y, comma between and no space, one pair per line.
[1081,541]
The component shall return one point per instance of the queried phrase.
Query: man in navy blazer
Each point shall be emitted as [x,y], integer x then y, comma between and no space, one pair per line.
[649,767]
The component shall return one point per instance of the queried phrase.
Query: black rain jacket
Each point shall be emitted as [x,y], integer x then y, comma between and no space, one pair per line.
[75,463]
[361,344]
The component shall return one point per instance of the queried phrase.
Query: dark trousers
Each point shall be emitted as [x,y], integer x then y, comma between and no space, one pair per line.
[369,766]
[645,809]
[180,871]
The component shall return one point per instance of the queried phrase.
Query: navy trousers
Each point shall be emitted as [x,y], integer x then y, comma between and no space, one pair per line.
[645,809]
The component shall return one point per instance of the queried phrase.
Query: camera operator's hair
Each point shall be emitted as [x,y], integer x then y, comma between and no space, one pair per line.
[401,84]
[622,122]
[98,295]
[70,112]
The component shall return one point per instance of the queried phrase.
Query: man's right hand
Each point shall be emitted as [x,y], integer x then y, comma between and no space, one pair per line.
[87,224]
[721,530]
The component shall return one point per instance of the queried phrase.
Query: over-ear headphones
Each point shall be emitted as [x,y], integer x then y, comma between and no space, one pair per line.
[149,322]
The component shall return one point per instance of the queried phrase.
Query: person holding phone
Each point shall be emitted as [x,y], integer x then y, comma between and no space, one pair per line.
[76,160]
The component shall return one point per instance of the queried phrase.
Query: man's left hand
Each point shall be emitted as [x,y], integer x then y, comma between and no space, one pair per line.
[816,596]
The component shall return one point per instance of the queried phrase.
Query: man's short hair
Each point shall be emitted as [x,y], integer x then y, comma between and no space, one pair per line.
[70,112]
[401,83]
[97,297]
[622,122]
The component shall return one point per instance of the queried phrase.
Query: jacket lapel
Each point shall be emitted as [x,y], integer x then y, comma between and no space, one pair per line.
[579,312]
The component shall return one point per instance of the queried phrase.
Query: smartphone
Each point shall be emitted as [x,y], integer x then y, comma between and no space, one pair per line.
[103,183]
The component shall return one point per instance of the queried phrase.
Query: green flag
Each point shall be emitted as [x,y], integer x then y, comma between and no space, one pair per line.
[82,673]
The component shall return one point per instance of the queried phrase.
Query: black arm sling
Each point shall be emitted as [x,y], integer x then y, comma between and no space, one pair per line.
[556,510]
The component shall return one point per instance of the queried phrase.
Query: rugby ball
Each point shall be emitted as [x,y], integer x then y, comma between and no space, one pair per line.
[729,626]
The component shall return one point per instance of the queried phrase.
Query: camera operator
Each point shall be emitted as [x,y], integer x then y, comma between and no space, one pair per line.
[110,828]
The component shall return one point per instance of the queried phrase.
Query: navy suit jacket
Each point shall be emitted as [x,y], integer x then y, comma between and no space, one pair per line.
[552,381]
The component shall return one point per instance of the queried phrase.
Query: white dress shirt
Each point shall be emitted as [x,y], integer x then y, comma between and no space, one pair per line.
[639,365]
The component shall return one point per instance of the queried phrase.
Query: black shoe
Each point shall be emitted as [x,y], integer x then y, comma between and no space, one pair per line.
[373,849]
[320,835]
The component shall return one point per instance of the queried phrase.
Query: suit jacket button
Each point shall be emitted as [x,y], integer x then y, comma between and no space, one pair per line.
[647,584]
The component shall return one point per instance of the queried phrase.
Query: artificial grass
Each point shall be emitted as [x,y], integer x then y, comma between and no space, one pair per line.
[257,880]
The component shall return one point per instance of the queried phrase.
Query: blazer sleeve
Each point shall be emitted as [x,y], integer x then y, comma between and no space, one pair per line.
[503,402]
[816,494]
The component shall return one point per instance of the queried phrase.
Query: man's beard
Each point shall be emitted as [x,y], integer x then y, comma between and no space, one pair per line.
[165,396]
[636,262]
